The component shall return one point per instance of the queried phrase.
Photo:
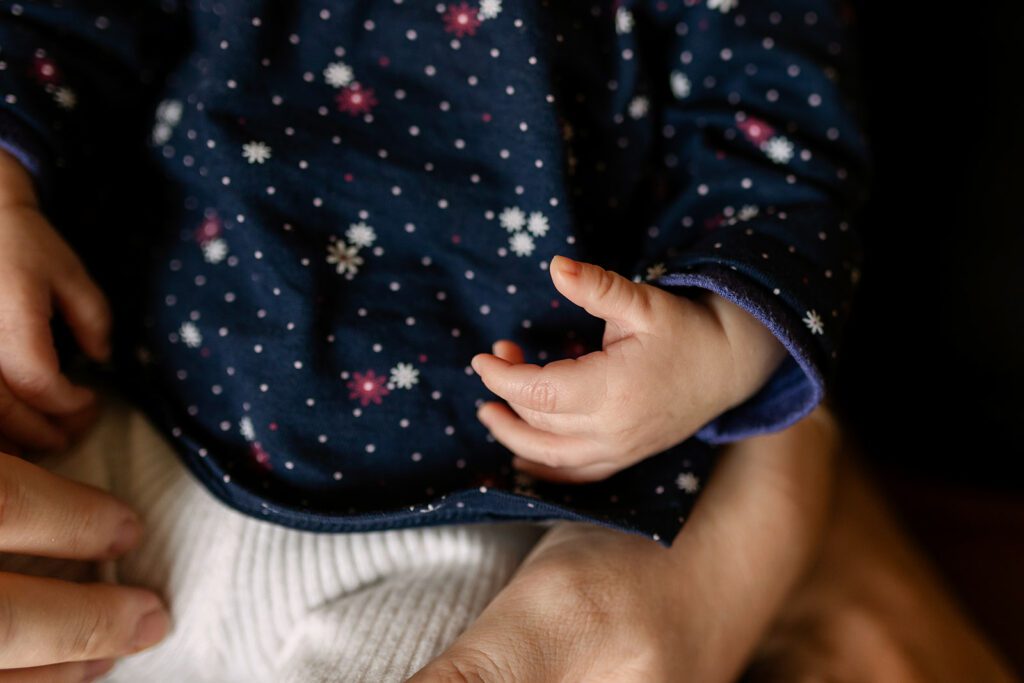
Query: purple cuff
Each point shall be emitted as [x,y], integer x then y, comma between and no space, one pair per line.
[796,387]
[23,144]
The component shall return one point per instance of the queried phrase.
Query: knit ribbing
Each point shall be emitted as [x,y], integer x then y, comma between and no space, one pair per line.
[252,601]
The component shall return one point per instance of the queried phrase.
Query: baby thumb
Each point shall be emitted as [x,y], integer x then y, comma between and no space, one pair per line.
[601,292]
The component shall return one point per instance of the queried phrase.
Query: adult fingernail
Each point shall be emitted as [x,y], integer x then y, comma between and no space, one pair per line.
[96,668]
[151,629]
[126,536]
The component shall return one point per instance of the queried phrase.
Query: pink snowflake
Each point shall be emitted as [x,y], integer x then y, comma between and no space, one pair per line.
[209,229]
[756,130]
[260,455]
[355,99]
[368,386]
[461,19]
[45,70]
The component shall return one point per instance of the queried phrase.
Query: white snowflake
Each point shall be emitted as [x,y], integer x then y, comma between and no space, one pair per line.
[778,149]
[656,271]
[747,212]
[680,84]
[538,224]
[521,243]
[639,106]
[343,257]
[246,429]
[256,152]
[169,112]
[814,322]
[623,21]
[215,250]
[360,234]
[513,218]
[338,74]
[722,5]
[404,375]
[489,9]
[688,482]
[190,334]
[65,98]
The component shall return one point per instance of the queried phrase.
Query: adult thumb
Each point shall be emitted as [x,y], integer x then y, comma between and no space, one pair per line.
[601,292]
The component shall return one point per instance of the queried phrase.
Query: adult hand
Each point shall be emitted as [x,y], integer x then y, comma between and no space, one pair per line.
[593,604]
[52,630]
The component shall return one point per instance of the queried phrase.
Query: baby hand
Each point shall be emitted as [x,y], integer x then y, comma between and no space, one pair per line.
[39,406]
[669,365]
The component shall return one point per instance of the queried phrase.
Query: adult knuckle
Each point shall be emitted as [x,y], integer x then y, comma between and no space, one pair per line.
[12,495]
[469,665]
[8,621]
[88,632]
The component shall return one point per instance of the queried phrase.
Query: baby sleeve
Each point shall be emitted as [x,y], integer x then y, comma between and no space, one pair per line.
[74,77]
[763,168]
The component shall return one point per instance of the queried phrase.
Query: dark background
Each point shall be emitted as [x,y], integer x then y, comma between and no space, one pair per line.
[931,380]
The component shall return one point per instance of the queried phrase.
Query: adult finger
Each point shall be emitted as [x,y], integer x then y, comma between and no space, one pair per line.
[49,621]
[85,309]
[526,441]
[31,368]
[70,672]
[569,385]
[44,514]
[26,426]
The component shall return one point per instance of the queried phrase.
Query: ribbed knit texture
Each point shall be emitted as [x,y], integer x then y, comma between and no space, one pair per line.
[253,601]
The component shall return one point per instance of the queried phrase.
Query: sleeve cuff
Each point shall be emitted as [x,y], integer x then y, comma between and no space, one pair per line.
[796,387]
[23,144]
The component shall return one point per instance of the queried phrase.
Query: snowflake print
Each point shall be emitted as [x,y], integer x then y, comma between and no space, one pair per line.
[722,5]
[512,218]
[404,376]
[537,224]
[215,251]
[45,70]
[779,149]
[755,130]
[521,244]
[656,271]
[256,152]
[190,335]
[639,106]
[461,19]
[814,322]
[361,235]
[489,9]
[260,455]
[344,258]
[356,100]
[246,429]
[623,21]
[338,74]
[688,482]
[168,115]
[367,387]
[65,98]
[680,85]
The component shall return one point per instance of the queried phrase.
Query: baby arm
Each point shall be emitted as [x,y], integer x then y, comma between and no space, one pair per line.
[38,274]
[669,364]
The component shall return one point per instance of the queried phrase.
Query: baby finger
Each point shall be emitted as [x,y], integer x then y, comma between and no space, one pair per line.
[531,443]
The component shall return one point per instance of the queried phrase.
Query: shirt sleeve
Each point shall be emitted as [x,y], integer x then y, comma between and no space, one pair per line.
[764,167]
[74,81]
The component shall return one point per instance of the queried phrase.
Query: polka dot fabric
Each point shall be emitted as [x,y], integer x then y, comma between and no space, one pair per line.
[357,197]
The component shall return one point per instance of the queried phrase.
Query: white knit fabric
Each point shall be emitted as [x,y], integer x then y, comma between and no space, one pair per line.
[252,601]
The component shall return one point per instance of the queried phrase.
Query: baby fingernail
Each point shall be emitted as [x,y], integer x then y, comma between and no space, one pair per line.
[125,537]
[151,629]
[568,266]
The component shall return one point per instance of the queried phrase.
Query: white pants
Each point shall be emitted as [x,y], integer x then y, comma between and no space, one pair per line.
[253,601]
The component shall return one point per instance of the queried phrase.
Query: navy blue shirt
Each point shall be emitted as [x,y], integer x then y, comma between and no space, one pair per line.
[345,201]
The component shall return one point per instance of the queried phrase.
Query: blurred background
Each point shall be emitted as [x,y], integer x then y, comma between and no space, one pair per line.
[932,381]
